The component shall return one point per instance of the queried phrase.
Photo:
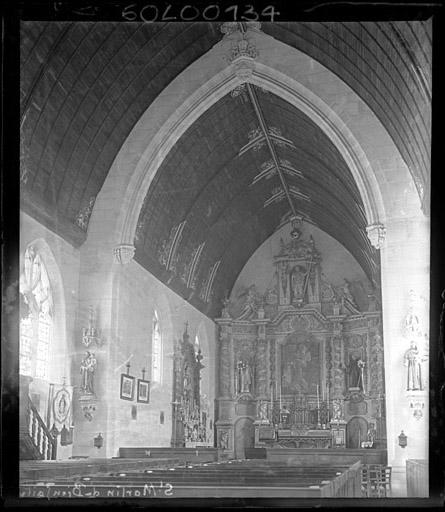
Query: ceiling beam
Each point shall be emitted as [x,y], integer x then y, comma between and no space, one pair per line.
[265,130]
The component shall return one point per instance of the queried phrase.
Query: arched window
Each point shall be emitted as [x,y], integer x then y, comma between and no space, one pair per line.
[36,317]
[197,347]
[156,350]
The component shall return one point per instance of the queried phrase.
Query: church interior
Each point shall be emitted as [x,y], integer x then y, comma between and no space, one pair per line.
[224,257]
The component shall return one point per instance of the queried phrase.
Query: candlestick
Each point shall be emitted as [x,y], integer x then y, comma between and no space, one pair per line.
[318,398]
[327,400]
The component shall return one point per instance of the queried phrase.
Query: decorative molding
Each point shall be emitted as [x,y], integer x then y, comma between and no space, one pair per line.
[376,234]
[90,334]
[124,253]
[239,90]
[268,170]
[83,217]
[257,140]
[207,285]
[191,278]
[88,405]
[243,49]
[24,175]
[230,27]
[417,405]
[167,251]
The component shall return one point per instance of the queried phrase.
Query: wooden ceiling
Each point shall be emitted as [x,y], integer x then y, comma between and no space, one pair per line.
[85,85]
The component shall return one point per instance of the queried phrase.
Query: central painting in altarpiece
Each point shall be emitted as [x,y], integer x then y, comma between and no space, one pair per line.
[300,365]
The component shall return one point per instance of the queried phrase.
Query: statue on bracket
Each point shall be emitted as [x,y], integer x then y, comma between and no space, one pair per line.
[413,360]
[87,369]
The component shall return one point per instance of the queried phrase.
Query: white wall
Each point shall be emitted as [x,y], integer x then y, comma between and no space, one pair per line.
[62,264]
[139,294]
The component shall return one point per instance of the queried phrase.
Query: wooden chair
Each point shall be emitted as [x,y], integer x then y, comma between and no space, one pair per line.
[376,480]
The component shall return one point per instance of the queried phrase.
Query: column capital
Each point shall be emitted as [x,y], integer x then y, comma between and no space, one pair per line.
[376,234]
[123,253]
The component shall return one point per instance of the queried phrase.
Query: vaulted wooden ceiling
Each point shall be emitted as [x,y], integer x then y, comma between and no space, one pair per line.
[85,85]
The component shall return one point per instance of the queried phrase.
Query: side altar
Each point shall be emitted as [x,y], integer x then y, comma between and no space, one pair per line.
[301,365]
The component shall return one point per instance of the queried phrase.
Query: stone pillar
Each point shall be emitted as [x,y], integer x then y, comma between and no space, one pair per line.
[101,264]
[404,267]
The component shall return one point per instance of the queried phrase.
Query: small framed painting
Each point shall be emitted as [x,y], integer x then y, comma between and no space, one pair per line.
[127,387]
[143,391]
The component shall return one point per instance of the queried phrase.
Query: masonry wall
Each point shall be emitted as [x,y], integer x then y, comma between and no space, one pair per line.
[137,424]
[62,263]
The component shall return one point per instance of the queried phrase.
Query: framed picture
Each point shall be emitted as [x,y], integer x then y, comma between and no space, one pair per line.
[143,391]
[127,387]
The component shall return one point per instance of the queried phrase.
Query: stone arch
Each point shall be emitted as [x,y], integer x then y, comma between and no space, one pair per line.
[205,82]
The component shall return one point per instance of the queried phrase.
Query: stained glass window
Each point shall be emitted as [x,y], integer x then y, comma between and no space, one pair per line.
[36,325]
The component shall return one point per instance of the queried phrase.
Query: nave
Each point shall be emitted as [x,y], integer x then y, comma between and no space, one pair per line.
[224,251]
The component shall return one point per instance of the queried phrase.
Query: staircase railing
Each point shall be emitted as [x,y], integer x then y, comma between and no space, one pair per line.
[45,443]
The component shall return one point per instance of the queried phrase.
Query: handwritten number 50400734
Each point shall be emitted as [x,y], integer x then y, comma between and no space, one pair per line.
[151,13]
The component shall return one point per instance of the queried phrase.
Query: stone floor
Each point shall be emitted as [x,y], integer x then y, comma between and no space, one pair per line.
[398,483]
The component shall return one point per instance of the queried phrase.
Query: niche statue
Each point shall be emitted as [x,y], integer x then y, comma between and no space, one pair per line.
[244,377]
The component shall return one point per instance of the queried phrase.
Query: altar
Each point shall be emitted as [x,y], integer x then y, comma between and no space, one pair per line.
[300,366]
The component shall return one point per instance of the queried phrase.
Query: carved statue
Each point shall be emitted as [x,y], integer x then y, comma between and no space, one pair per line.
[284,415]
[337,413]
[347,292]
[225,311]
[224,440]
[371,433]
[262,411]
[412,323]
[413,360]
[356,367]
[284,277]
[298,280]
[244,375]
[249,306]
[87,368]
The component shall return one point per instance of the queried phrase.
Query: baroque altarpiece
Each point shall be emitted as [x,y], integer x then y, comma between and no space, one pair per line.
[192,424]
[302,365]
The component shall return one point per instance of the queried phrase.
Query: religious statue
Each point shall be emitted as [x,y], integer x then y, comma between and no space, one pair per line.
[284,415]
[298,281]
[224,440]
[371,433]
[225,311]
[262,411]
[412,323]
[347,292]
[244,375]
[249,306]
[337,414]
[413,360]
[356,367]
[87,368]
